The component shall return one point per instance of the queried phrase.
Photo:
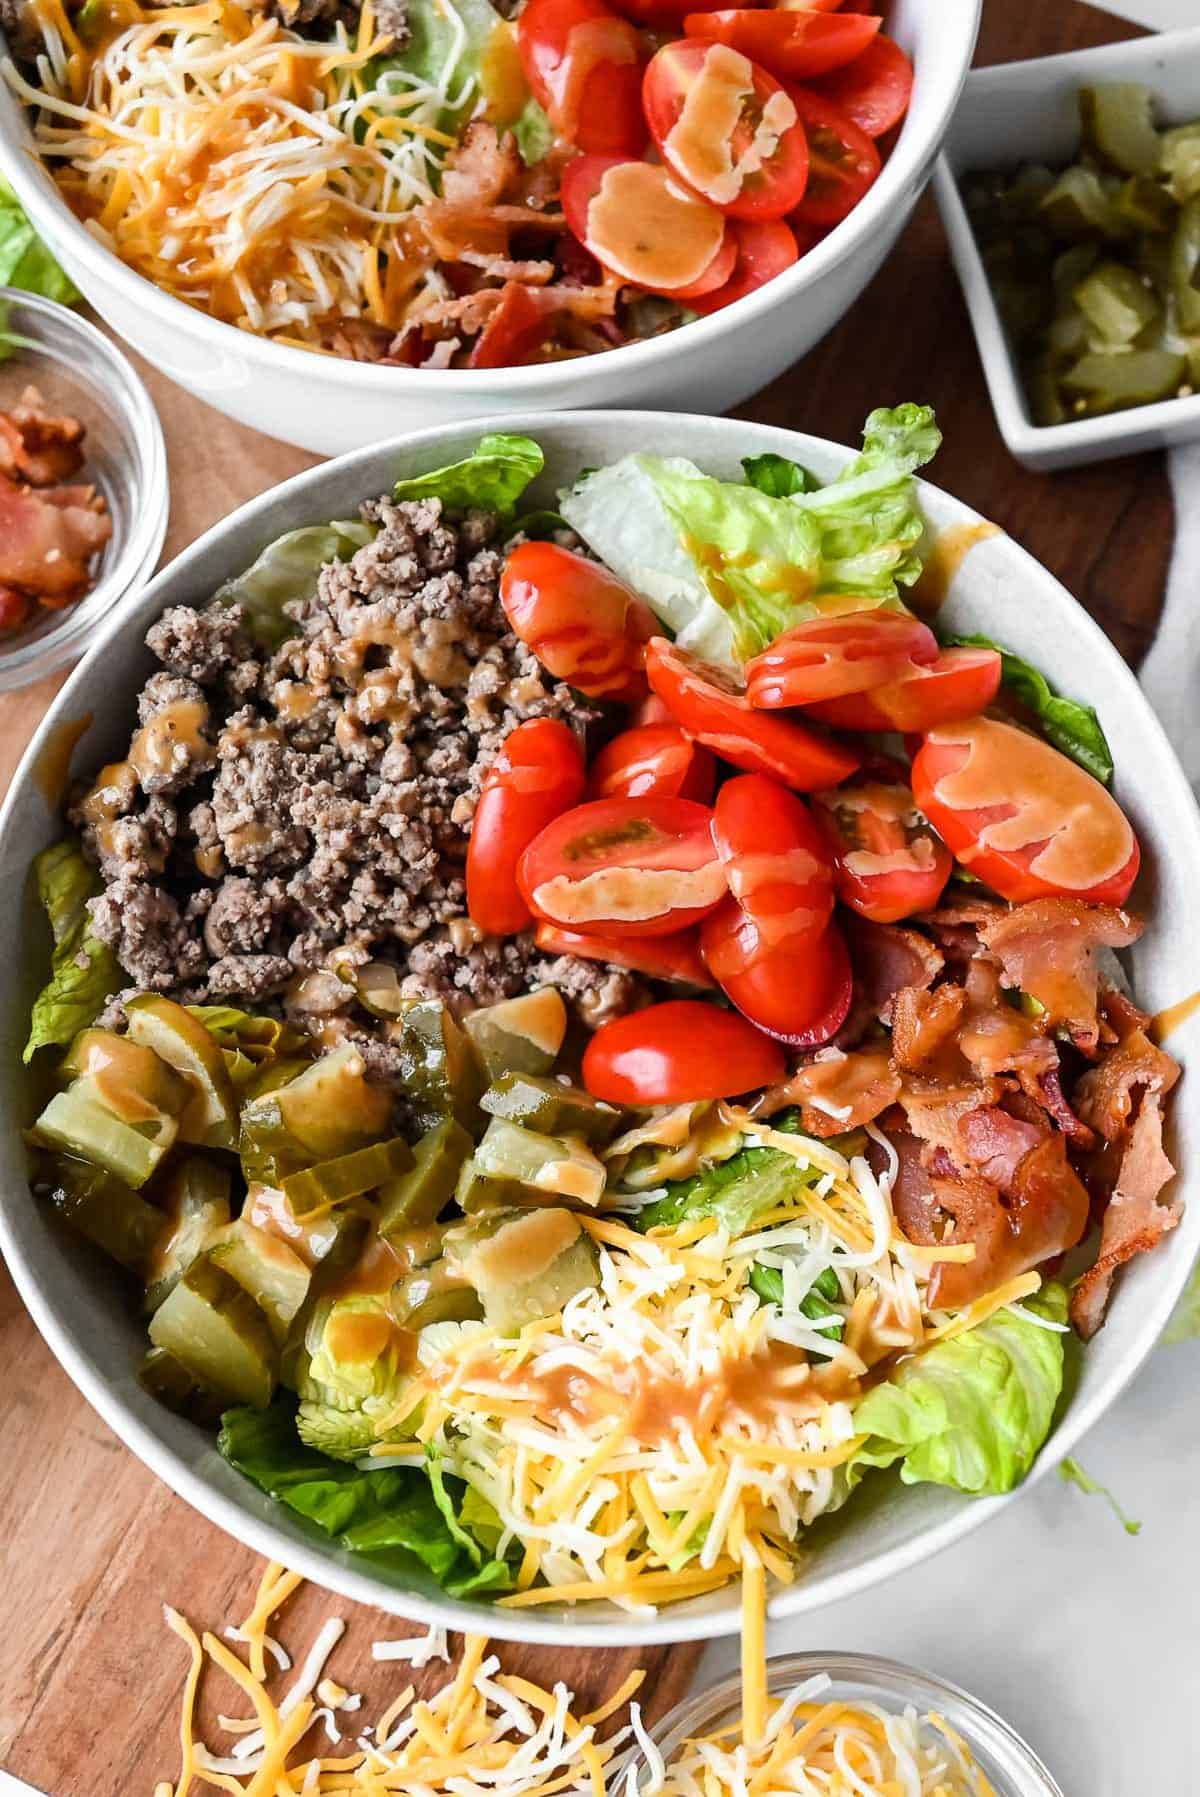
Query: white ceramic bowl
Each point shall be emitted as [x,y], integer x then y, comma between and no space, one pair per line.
[1028,112]
[74,1299]
[329,405]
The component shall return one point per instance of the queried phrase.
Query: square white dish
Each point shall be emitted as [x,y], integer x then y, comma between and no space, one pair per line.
[1026,112]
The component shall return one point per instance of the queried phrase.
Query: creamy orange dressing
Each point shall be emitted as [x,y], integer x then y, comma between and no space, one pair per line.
[701,141]
[1046,797]
[170,738]
[915,856]
[629,894]
[651,231]
[1174,1016]
[52,769]
[943,559]
[366,1336]
[524,1250]
[128,1077]
[589,44]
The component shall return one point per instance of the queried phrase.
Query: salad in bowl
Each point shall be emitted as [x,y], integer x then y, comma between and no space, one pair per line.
[591,1020]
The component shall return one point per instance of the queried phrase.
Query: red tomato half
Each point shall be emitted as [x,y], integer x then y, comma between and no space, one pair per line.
[675,957]
[709,706]
[1027,820]
[958,684]
[799,993]
[651,759]
[777,862]
[537,774]
[625,867]
[765,247]
[726,128]
[888,862]
[584,65]
[583,624]
[639,223]
[842,160]
[873,91]
[791,45]
[678,1053]
[827,657]
[515,330]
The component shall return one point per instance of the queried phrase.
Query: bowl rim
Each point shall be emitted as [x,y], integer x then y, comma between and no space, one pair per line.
[1173,798]
[908,164]
[1078,439]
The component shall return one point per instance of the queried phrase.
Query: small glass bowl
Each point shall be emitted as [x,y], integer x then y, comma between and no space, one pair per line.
[1012,1767]
[78,372]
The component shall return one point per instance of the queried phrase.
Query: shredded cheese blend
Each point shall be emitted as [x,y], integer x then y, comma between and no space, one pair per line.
[252,172]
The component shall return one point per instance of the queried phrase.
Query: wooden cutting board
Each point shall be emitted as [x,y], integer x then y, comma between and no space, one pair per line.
[93,1545]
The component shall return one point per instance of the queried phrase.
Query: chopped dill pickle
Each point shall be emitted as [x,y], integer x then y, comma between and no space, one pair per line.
[1045,395]
[79,1122]
[1145,205]
[103,1208]
[555,1109]
[519,1035]
[438,1293]
[1117,305]
[1117,119]
[168,1381]
[1079,207]
[328,1110]
[218,1333]
[1179,163]
[525,1265]
[1109,383]
[195,1205]
[1185,269]
[437,1063]
[265,1268]
[532,1166]
[420,1195]
[209,1117]
[346,1176]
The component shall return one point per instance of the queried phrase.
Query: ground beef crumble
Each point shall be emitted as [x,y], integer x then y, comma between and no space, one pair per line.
[313,803]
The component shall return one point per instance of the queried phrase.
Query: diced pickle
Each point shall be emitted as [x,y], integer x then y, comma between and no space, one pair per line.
[438,1293]
[437,1063]
[1079,207]
[1180,161]
[537,1167]
[519,1035]
[210,1116]
[1045,395]
[1117,118]
[420,1196]
[1109,383]
[267,1269]
[195,1203]
[168,1380]
[216,1330]
[524,1265]
[1145,205]
[1185,269]
[1117,305]
[79,1122]
[329,1109]
[134,1083]
[555,1109]
[103,1208]
[346,1176]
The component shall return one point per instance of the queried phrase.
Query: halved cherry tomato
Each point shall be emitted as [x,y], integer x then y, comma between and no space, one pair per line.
[678,1053]
[514,331]
[640,223]
[708,704]
[727,128]
[799,994]
[584,64]
[650,710]
[665,15]
[791,45]
[777,862]
[674,957]
[827,657]
[875,89]
[765,247]
[1027,820]
[625,867]
[960,683]
[653,758]
[537,774]
[583,624]
[888,861]
[842,160]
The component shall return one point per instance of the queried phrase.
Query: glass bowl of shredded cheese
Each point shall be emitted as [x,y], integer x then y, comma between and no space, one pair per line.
[70,374]
[837,1725]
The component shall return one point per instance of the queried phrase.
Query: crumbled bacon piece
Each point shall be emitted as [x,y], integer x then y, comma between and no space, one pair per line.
[1135,1220]
[837,1091]
[1048,948]
[47,539]
[1107,1093]
[887,957]
[37,447]
[1043,1211]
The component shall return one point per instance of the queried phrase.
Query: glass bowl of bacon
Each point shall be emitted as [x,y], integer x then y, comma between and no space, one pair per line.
[83,484]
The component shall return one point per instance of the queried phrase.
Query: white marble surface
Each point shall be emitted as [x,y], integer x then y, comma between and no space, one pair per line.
[1085,1638]
[1158,15]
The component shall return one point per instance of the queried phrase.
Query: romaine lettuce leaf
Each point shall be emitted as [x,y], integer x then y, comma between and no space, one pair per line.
[1069,725]
[287,569]
[25,262]
[735,1191]
[491,479]
[376,1511]
[444,49]
[534,133]
[774,474]
[970,1412]
[83,971]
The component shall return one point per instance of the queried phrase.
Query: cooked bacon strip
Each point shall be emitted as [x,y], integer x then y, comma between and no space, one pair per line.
[37,447]
[1044,1212]
[48,539]
[996,1037]
[935,1109]
[997,1141]
[1135,1221]
[481,165]
[837,1091]
[1048,948]
[925,1026]
[1046,1090]
[886,958]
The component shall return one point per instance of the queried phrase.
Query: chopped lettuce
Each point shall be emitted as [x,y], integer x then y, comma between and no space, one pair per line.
[735,1190]
[444,50]
[970,1412]
[286,570]
[249,1043]
[729,566]
[534,133]
[83,971]
[1069,725]
[25,262]
[491,479]
[350,1378]
[380,1510]
[1072,1473]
